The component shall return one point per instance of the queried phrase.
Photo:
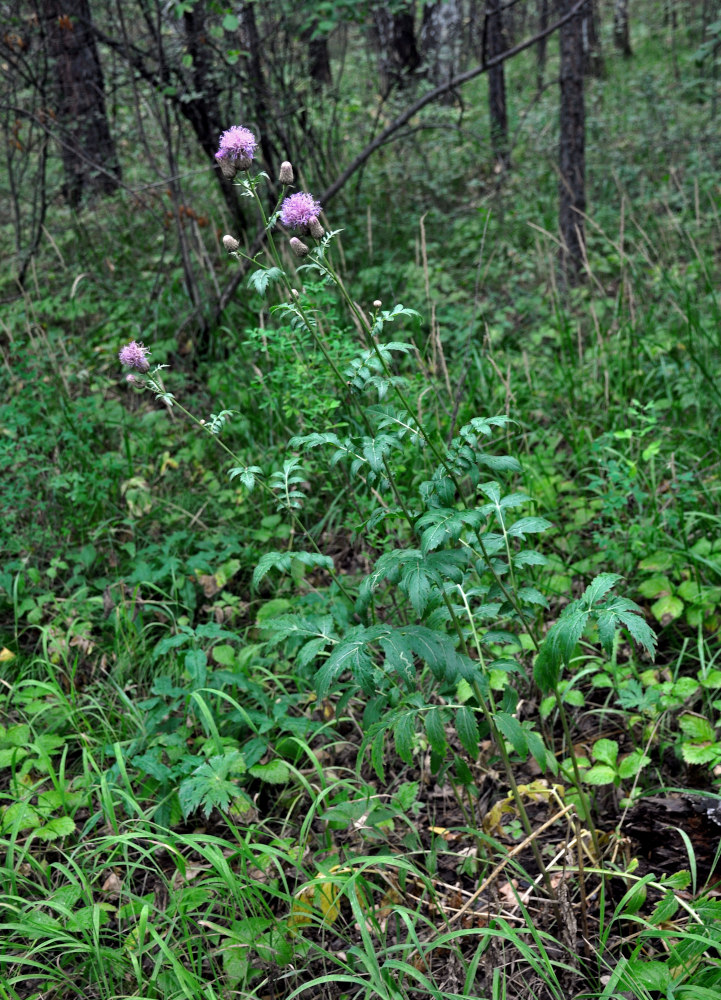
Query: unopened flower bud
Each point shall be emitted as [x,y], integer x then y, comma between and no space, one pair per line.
[230,243]
[298,246]
[131,379]
[286,173]
[243,163]
[377,304]
[295,293]
[228,168]
[316,230]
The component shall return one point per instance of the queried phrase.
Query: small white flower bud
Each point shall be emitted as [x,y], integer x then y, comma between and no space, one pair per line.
[377,304]
[230,243]
[298,246]
[286,173]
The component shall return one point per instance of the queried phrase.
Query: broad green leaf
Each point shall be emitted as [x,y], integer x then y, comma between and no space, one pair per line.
[61,826]
[655,585]
[697,728]
[667,608]
[630,766]
[275,772]
[605,751]
[600,774]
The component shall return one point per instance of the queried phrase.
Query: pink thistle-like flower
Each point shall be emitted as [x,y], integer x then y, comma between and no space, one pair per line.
[134,355]
[238,145]
[298,209]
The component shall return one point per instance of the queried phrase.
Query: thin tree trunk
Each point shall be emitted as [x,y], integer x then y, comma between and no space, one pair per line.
[495,45]
[572,195]
[88,150]
[541,44]
[592,54]
[621,34]
[319,64]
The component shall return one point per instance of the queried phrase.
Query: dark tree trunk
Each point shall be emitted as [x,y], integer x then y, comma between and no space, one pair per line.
[541,45]
[572,196]
[88,151]
[202,111]
[258,89]
[495,46]
[395,40]
[621,34]
[592,54]
[319,64]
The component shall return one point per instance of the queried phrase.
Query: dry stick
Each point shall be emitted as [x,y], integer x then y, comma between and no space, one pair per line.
[511,854]
[394,126]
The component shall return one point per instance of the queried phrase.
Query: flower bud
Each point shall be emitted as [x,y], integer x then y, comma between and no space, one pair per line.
[228,168]
[243,163]
[316,230]
[298,246]
[286,173]
[377,304]
[230,243]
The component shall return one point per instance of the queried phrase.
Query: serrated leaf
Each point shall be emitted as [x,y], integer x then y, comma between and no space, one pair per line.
[696,753]
[275,772]
[697,728]
[260,279]
[600,774]
[467,730]
[404,736]
[605,751]
[527,526]
[630,766]
[512,730]
[283,561]
[598,588]
[435,730]
[351,653]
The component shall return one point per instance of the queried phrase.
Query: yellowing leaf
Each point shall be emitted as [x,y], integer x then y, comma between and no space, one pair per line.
[6,655]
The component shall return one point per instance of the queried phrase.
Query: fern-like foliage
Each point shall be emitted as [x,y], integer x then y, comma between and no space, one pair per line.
[608,611]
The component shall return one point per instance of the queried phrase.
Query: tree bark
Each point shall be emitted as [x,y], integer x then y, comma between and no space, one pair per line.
[319,64]
[541,45]
[592,54]
[496,44]
[87,147]
[395,40]
[621,34]
[572,194]
[441,42]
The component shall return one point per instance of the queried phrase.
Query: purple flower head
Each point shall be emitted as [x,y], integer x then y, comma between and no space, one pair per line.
[298,209]
[135,356]
[237,143]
